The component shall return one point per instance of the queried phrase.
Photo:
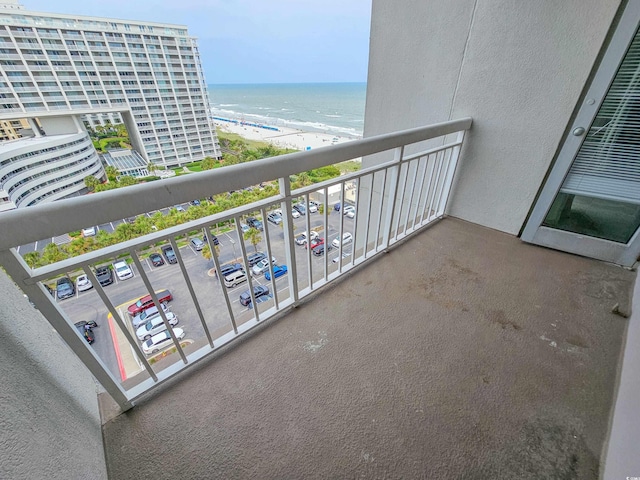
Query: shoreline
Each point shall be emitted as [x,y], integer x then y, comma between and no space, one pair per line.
[283,137]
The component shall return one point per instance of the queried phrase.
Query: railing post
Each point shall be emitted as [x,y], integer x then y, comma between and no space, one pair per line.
[287,222]
[18,270]
[451,170]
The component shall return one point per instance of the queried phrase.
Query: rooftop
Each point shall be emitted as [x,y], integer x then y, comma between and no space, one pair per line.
[462,353]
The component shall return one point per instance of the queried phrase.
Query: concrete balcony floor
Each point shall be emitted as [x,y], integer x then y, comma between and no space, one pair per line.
[463,353]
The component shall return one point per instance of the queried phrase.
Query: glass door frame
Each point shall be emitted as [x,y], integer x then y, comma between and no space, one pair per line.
[534,231]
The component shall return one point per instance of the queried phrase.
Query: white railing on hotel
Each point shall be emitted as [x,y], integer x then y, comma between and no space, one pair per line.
[392,200]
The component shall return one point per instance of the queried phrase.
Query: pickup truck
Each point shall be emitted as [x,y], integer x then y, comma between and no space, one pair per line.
[164,296]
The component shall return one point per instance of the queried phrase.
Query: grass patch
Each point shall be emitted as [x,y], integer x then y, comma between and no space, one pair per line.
[252,144]
[349,166]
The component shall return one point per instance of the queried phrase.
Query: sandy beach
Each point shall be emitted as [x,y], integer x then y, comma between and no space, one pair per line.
[282,137]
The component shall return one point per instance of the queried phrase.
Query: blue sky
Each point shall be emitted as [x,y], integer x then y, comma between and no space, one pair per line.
[255,41]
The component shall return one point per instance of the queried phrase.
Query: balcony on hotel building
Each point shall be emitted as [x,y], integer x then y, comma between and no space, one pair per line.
[421,346]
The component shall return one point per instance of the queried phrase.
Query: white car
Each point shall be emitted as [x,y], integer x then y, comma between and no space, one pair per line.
[295,213]
[89,232]
[346,239]
[302,238]
[123,271]
[262,266]
[312,207]
[161,340]
[155,326]
[149,314]
[83,283]
[349,211]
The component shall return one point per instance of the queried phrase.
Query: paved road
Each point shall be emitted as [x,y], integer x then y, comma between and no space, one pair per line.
[88,306]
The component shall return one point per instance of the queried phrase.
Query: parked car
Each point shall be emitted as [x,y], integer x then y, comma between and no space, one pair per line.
[312,207]
[349,211]
[179,208]
[195,203]
[302,238]
[300,208]
[230,268]
[197,244]
[83,283]
[261,267]
[214,239]
[315,242]
[235,278]
[156,259]
[85,329]
[318,250]
[164,297]
[254,258]
[149,314]
[104,275]
[155,326]
[123,271]
[346,239]
[64,288]
[258,291]
[161,340]
[295,213]
[274,218]
[263,298]
[169,254]
[278,271]
[89,232]
[255,223]
[244,227]
[337,206]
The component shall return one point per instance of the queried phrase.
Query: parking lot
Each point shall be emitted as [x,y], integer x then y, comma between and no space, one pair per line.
[87,306]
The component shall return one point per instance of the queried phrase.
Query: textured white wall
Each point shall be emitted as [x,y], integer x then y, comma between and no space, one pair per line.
[49,421]
[517,68]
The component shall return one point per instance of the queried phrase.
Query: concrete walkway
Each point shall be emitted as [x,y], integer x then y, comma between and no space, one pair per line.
[464,353]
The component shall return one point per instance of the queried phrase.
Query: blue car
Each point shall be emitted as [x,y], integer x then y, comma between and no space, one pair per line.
[278,271]
[336,207]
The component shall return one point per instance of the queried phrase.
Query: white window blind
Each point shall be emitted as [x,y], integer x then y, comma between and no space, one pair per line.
[608,162]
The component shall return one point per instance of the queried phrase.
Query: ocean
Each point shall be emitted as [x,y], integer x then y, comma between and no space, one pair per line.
[336,108]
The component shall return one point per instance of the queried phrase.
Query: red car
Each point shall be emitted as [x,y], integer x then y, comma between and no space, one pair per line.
[164,296]
[315,242]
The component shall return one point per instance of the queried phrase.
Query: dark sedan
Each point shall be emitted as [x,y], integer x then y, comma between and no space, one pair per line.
[156,259]
[258,291]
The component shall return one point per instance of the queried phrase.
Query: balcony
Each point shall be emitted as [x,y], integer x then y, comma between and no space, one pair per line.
[434,348]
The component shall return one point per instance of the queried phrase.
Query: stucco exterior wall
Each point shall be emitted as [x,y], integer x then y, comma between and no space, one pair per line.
[49,421]
[517,68]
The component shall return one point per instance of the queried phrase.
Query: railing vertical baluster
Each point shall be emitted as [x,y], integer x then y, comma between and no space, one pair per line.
[223,288]
[243,249]
[420,188]
[367,217]
[355,222]
[435,184]
[307,221]
[380,208]
[18,270]
[402,194]
[326,235]
[394,181]
[119,321]
[413,187]
[431,166]
[341,228]
[455,156]
[269,255]
[192,292]
[289,244]
[156,302]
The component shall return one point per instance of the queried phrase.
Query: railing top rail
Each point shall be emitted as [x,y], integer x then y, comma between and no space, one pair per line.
[22,226]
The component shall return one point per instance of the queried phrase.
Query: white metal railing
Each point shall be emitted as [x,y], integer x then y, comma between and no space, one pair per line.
[391,201]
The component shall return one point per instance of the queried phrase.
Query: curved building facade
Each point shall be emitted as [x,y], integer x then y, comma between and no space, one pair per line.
[44,169]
